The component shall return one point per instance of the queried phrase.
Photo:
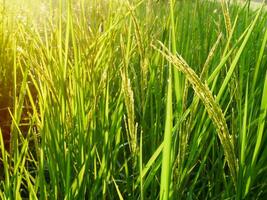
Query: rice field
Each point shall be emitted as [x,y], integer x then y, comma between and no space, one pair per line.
[136,99]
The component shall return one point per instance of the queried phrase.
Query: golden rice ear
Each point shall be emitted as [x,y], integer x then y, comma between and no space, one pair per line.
[227,19]
[131,126]
[213,108]
[210,57]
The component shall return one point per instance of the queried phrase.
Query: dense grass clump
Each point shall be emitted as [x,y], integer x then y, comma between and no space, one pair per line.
[133,100]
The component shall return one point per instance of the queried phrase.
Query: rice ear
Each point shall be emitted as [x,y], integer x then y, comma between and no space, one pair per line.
[214,111]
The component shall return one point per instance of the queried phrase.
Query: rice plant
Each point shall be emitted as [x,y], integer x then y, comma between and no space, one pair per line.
[135,99]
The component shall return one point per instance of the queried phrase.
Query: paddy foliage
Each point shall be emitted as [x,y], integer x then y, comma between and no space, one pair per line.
[136,99]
